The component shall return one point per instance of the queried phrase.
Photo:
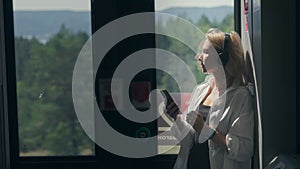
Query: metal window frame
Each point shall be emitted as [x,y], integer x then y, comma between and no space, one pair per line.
[10,115]
[298,79]
[4,141]
[237,16]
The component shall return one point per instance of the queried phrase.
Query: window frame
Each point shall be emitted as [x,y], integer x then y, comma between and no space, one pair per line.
[4,143]
[10,106]
[298,72]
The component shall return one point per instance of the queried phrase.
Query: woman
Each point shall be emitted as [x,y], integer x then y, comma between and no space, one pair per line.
[229,123]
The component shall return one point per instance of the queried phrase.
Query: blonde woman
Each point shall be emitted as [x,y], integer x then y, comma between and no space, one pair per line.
[229,124]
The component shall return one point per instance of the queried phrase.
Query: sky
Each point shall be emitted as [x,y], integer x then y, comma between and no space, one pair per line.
[163,4]
[84,5]
[74,5]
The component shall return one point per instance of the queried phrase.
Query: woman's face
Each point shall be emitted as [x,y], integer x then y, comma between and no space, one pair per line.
[209,59]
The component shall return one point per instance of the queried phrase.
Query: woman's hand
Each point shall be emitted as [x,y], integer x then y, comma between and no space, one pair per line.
[196,120]
[173,110]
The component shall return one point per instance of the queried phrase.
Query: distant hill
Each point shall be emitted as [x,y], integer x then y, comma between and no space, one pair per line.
[194,13]
[43,24]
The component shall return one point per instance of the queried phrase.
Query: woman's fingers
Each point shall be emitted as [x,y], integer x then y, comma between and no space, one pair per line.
[171,105]
[191,117]
[173,110]
[174,113]
[196,120]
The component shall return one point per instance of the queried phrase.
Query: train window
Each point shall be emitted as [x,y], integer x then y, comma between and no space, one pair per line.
[204,14]
[48,37]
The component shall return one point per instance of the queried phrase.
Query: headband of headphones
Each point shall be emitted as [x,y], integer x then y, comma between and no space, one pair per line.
[223,53]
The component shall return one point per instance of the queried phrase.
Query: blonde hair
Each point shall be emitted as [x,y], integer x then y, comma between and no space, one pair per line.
[235,69]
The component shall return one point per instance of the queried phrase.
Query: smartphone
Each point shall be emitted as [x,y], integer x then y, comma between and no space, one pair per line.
[167,97]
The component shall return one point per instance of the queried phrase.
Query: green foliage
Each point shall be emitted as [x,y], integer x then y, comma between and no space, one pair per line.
[47,120]
[227,24]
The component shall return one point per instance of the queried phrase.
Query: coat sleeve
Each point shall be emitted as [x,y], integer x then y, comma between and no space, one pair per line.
[239,139]
[185,134]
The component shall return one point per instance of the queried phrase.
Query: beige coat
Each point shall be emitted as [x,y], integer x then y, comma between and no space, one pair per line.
[231,115]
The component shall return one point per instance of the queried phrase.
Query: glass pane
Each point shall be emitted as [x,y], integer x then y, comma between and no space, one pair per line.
[48,37]
[204,14]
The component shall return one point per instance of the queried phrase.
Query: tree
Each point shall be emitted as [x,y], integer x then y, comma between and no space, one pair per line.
[227,23]
[47,120]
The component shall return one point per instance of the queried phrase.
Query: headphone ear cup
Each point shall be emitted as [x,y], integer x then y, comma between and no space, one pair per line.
[224,57]
[224,54]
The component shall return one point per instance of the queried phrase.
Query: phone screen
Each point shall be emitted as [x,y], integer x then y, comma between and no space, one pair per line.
[167,96]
